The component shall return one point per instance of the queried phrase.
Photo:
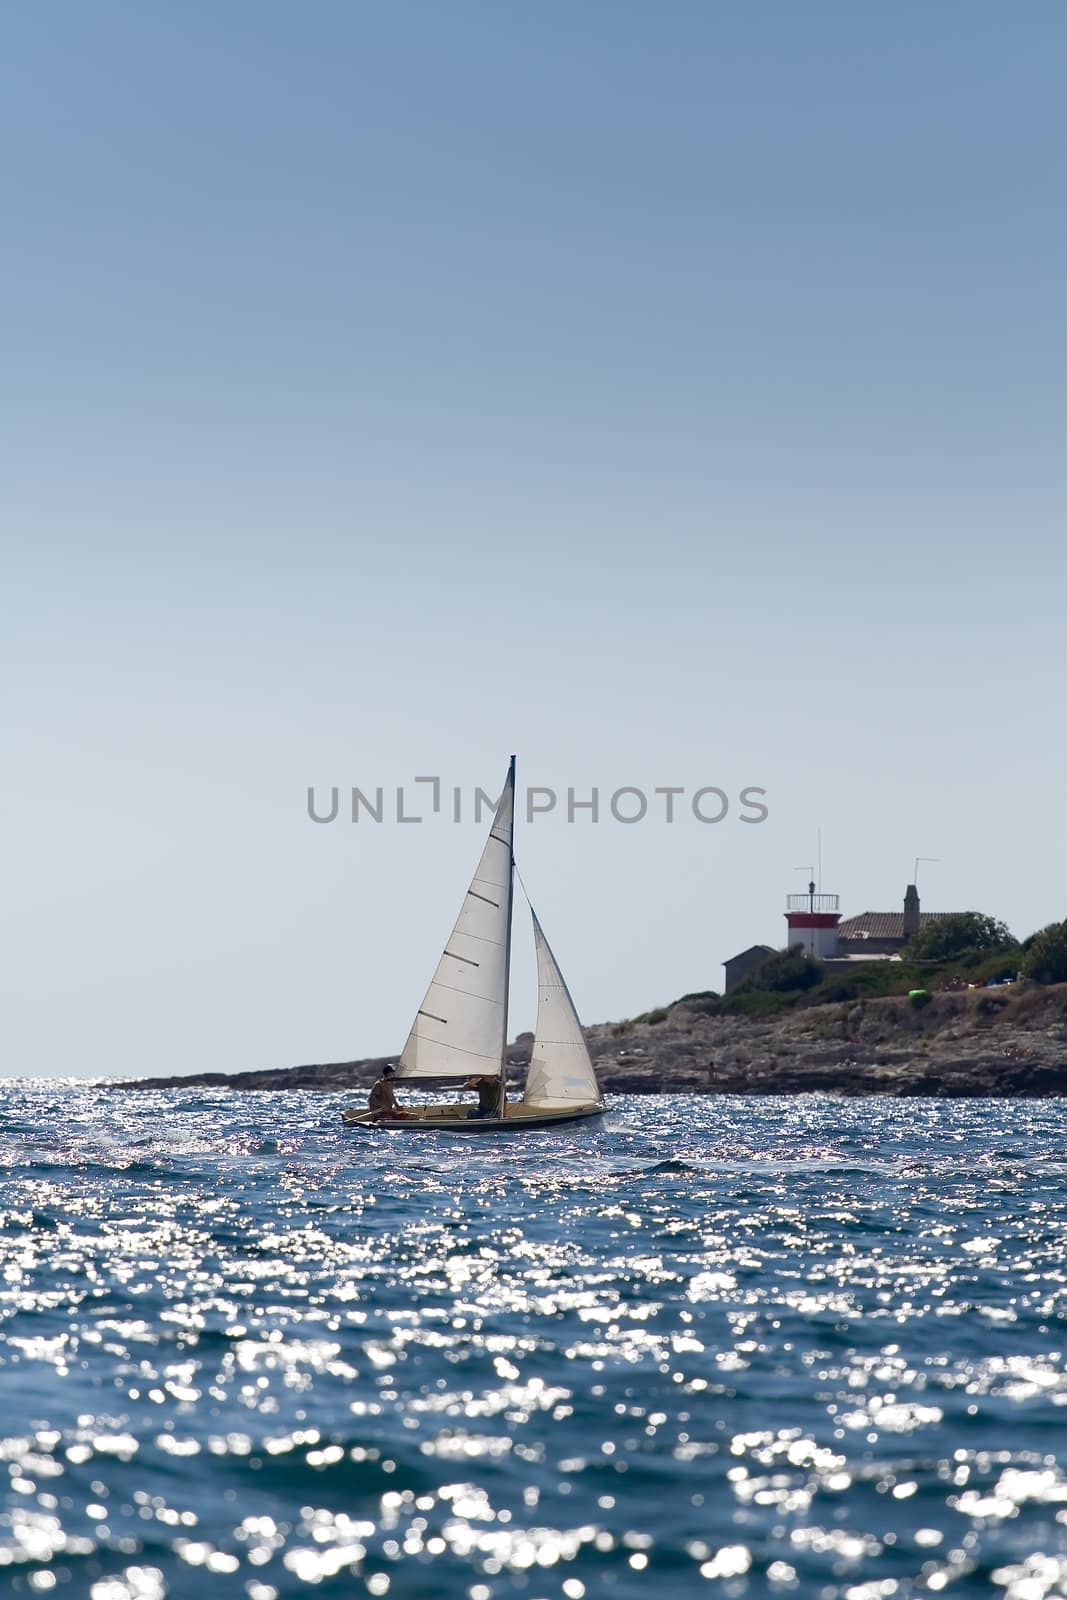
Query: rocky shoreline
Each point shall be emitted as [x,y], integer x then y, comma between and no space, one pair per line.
[979,1043]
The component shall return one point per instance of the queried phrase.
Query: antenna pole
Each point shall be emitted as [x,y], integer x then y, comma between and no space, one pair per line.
[503,1100]
[811,905]
[915,870]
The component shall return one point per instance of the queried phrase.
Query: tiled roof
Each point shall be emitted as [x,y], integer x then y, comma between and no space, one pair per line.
[881,924]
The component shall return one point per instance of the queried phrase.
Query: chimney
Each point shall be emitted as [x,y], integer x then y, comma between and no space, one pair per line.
[911,911]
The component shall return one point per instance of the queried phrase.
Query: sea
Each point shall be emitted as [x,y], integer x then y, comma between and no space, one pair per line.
[714,1347]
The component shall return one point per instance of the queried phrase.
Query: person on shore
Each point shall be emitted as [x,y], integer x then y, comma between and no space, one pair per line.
[488,1088]
[383,1102]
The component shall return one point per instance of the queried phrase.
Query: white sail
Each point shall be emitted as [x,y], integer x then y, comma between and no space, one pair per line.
[560,1069]
[461,1025]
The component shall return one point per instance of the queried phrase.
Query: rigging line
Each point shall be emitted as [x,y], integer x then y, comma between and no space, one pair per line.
[522,885]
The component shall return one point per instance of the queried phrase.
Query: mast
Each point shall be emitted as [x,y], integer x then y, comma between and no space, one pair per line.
[503,1098]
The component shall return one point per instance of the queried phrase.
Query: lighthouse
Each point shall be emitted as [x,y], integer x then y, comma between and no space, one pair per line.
[811,921]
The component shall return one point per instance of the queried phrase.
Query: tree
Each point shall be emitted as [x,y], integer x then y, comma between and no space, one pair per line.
[961,933]
[1046,958]
[784,972]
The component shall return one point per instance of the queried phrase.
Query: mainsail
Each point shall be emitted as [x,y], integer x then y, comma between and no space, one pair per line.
[461,1026]
[560,1069]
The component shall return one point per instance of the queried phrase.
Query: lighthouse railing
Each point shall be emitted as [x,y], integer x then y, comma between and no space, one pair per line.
[812,902]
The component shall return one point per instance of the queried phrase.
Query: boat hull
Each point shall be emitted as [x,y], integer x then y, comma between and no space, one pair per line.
[456,1119]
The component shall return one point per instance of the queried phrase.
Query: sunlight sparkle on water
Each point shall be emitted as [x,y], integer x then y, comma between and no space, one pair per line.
[718,1347]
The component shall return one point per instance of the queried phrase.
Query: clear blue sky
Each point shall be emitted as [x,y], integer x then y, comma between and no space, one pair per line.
[670,394]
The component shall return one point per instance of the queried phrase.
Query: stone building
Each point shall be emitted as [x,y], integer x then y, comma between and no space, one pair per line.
[746,961]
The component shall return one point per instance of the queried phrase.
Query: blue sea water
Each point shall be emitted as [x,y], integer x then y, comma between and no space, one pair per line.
[716,1347]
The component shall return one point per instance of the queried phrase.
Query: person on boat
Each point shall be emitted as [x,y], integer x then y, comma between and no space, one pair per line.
[488,1089]
[383,1101]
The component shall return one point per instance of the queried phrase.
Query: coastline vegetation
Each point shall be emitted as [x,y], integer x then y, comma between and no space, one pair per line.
[963,950]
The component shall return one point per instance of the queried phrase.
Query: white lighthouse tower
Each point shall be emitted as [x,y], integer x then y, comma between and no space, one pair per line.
[811,921]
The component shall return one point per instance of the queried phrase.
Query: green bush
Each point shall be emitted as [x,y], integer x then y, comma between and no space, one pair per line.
[961,933]
[785,972]
[867,980]
[834,991]
[1046,959]
[1003,964]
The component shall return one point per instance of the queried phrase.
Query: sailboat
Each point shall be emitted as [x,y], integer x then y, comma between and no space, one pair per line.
[461,1028]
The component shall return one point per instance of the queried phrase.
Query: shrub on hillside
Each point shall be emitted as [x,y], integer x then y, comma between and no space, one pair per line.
[872,979]
[867,980]
[834,991]
[1003,964]
[785,972]
[961,933]
[1046,959]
